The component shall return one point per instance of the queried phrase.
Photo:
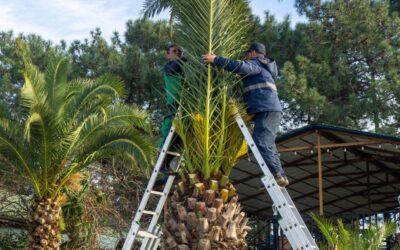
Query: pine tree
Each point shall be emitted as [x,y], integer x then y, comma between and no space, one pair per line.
[351,61]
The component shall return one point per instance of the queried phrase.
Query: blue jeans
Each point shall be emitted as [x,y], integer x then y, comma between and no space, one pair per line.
[266,125]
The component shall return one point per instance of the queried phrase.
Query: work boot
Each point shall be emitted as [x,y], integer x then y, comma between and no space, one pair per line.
[174,163]
[282,180]
[166,171]
[170,166]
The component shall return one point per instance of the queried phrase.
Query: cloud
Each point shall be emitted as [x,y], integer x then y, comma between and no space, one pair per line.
[280,10]
[67,19]
[74,19]
[10,19]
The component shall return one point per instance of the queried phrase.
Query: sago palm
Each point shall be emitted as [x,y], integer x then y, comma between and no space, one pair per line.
[342,237]
[62,127]
[204,212]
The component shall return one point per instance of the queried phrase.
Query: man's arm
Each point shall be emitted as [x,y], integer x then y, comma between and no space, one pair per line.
[244,68]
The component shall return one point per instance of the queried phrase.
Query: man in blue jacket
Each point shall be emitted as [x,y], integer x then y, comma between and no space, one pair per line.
[258,74]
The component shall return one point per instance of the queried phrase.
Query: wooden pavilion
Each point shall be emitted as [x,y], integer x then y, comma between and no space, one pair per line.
[333,171]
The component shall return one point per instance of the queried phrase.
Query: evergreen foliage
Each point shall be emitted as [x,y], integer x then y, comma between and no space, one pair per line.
[340,67]
[348,66]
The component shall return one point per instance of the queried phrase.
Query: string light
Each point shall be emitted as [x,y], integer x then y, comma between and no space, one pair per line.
[327,150]
[397,146]
[312,151]
[295,153]
[380,146]
[345,150]
[362,148]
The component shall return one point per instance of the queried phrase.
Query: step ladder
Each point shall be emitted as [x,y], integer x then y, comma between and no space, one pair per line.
[150,237]
[290,220]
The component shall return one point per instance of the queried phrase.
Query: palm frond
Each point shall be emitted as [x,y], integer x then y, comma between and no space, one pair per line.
[37,126]
[344,236]
[86,94]
[154,7]
[204,123]
[327,228]
[32,92]
[373,236]
[13,148]
[65,126]
[115,141]
[55,80]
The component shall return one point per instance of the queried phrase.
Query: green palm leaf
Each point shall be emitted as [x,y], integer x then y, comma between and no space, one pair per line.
[206,123]
[327,228]
[65,126]
[154,7]
[344,236]
[373,237]
[353,239]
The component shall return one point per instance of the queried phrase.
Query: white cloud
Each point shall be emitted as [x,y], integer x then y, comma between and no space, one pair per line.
[280,9]
[67,19]
[10,20]
[74,19]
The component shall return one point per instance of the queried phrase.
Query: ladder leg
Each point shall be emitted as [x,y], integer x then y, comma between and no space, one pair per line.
[152,244]
[158,211]
[133,231]
[291,221]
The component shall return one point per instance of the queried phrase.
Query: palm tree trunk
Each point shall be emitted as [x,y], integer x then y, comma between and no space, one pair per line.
[44,230]
[204,218]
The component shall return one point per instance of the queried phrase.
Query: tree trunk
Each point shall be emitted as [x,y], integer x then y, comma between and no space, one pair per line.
[205,220]
[44,232]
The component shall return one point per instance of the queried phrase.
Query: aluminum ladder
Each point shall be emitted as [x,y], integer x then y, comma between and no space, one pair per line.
[151,236]
[291,222]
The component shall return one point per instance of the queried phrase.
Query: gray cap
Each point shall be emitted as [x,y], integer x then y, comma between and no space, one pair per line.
[257,47]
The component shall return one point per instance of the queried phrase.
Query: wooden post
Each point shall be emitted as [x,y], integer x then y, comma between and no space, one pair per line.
[320,184]
[369,195]
[258,231]
[276,230]
[268,233]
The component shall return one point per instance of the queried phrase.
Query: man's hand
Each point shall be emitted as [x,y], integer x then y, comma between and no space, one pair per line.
[209,58]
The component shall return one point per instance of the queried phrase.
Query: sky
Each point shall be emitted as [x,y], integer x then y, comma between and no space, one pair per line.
[74,19]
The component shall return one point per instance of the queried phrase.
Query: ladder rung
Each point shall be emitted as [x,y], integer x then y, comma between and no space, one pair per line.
[146,234]
[149,212]
[157,193]
[173,153]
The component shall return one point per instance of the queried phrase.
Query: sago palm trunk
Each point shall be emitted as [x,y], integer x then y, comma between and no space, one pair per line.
[204,215]
[45,225]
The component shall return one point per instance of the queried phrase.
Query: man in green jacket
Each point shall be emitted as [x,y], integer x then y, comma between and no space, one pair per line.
[173,85]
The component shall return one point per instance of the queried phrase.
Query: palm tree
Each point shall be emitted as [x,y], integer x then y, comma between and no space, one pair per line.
[154,7]
[204,212]
[341,237]
[61,128]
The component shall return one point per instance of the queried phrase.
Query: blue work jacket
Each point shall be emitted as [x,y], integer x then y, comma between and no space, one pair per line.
[254,72]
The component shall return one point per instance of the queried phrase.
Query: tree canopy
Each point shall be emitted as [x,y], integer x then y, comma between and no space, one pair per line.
[340,67]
